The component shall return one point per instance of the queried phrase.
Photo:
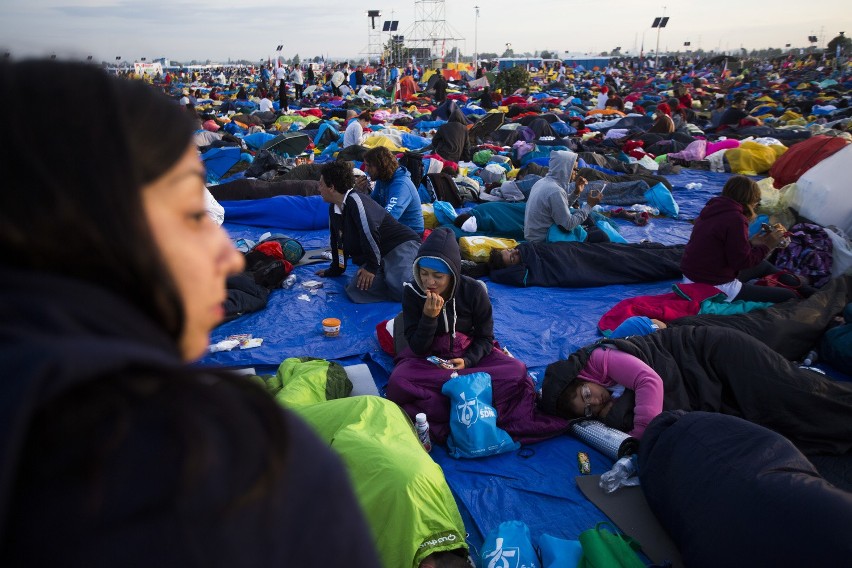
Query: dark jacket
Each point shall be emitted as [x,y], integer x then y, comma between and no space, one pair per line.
[365,231]
[467,310]
[100,450]
[719,246]
[451,141]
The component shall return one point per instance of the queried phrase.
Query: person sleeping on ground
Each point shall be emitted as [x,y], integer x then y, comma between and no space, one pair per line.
[627,382]
[449,315]
[409,506]
[580,265]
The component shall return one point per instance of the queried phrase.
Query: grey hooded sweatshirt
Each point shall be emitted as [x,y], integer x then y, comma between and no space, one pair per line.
[549,200]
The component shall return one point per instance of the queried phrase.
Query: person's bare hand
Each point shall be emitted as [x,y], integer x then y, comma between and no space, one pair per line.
[580,184]
[362,184]
[433,305]
[458,363]
[364,279]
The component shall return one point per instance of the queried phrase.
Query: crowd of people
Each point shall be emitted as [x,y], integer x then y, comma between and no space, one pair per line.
[114,275]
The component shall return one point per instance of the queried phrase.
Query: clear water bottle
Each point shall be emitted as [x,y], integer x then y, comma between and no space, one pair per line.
[811,358]
[622,474]
[289,282]
[422,427]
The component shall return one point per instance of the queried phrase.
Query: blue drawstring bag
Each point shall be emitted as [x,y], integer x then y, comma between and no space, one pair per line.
[608,227]
[473,421]
[557,552]
[509,545]
[444,212]
[660,197]
[556,234]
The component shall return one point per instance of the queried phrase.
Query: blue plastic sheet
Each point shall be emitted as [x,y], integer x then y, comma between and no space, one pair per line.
[538,326]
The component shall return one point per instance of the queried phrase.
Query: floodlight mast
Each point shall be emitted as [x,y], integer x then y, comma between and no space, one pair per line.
[659,23]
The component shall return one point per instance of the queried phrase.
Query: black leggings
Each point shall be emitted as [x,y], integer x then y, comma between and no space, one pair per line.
[754,293]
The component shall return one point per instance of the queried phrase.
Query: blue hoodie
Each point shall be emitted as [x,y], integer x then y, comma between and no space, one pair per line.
[399,197]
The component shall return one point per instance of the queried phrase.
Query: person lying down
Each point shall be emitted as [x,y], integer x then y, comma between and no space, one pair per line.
[579,265]
[627,382]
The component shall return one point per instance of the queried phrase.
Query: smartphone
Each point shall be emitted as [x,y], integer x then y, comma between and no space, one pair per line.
[765,228]
[440,362]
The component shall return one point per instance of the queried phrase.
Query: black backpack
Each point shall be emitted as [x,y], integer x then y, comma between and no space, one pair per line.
[413,162]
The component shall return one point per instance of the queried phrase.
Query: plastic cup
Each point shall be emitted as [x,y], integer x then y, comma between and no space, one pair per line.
[331,327]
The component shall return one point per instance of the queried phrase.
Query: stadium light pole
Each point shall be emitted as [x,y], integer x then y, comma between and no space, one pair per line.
[476,40]
[659,23]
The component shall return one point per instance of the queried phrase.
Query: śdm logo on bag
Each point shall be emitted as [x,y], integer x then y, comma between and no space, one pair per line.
[503,557]
[470,411]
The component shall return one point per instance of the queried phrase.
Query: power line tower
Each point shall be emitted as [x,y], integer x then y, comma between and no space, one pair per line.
[430,36]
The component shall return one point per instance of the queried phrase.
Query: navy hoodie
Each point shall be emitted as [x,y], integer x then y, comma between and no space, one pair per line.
[95,469]
[466,310]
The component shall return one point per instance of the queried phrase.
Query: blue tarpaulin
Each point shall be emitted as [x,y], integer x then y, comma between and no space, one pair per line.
[538,325]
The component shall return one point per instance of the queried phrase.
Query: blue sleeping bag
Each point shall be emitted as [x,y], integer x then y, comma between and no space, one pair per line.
[280,212]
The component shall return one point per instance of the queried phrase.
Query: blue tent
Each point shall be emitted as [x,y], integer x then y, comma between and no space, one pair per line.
[219,160]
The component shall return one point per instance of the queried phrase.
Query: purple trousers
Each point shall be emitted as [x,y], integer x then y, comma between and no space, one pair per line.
[415,384]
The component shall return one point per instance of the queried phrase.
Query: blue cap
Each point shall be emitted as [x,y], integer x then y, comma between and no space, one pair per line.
[435,264]
[636,325]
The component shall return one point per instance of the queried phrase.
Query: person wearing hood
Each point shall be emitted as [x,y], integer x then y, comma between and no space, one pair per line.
[550,202]
[720,253]
[448,315]
[452,141]
[112,276]
[393,189]
[382,247]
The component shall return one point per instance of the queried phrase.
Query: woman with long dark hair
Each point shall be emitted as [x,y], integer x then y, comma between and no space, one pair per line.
[114,451]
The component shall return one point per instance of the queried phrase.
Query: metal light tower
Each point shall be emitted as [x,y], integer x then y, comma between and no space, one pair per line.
[659,23]
[374,36]
[476,41]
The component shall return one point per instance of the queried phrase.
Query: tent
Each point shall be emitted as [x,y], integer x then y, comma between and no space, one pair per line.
[290,144]
[219,160]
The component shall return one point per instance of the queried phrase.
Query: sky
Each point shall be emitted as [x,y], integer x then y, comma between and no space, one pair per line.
[219,30]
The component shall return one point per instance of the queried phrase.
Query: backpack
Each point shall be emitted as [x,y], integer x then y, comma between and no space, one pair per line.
[809,253]
[413,162]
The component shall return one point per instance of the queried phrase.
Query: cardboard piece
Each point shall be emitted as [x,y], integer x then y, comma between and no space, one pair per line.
[362,380]
[629,510]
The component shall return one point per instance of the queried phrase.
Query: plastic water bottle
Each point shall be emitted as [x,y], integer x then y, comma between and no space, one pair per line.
[289,282]
[810,358]
[422,428]
[622,474]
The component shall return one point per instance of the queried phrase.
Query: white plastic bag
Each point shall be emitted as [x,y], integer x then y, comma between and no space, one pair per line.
[842,253]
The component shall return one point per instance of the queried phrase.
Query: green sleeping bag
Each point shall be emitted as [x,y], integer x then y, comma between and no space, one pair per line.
[403,492]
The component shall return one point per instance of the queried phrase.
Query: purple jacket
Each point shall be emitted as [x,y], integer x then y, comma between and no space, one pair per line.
[719,246]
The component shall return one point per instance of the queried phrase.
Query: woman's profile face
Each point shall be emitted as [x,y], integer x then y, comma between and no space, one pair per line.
[197,252]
